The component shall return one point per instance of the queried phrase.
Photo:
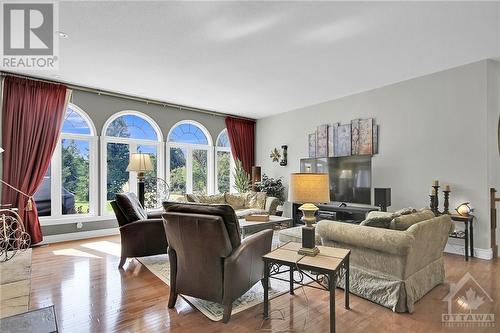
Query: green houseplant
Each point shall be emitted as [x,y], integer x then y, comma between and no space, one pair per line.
[273,187]
[241,178]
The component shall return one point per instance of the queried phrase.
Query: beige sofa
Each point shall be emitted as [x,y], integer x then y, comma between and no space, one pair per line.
[242,203]
[397,266]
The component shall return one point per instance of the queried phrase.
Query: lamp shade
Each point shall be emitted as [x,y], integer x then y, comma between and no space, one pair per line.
[140,162]
[309,188]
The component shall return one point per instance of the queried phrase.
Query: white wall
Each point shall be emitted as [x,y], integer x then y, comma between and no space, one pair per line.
[493,105]
[432,127]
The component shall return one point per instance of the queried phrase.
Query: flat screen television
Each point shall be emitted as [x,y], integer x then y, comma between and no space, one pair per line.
[350,177]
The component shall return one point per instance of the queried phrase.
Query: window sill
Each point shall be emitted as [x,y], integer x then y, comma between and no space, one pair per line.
[45,221]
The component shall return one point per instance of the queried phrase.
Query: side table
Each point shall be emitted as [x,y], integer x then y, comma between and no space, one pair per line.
[324,270]
[468,235]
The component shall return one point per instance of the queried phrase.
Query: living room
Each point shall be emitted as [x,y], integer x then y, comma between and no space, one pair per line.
[250,166]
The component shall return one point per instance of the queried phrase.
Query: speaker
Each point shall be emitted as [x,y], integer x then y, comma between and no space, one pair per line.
[383,198]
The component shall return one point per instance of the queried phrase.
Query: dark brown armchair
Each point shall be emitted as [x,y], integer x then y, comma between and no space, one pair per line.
[208,259]
[141,234]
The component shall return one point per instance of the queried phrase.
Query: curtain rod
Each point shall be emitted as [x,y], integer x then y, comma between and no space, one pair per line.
[125,96]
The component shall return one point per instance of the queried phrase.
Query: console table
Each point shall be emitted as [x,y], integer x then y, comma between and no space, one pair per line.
[350,214]
[468,235]
[327,267]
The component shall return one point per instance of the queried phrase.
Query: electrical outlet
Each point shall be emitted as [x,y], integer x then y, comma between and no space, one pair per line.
[79,225]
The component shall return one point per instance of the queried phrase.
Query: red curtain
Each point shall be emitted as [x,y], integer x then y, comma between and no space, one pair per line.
[33,113]
[241,134]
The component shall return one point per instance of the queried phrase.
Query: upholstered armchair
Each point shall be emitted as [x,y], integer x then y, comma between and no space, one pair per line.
[208,259]
[142,234]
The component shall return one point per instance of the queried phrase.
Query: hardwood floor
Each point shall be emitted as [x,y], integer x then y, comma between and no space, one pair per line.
[91,295]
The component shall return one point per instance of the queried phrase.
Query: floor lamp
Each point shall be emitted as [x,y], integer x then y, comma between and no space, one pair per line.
[140,163]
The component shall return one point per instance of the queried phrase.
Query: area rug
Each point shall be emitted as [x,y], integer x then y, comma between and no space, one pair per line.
[159,266]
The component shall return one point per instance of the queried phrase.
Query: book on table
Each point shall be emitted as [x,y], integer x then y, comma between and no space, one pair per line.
[257,218]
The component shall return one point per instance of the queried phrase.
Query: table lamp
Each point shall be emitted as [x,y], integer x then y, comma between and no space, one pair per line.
[140,163]
[308,189]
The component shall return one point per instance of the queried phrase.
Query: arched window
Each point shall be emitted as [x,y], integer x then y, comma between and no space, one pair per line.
[190,153]
[69,187]
[125,133]
[224,164]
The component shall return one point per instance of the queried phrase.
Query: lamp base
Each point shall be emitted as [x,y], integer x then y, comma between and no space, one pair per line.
[309,252]
[309,247]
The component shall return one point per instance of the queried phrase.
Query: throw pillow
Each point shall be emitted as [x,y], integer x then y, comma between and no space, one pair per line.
[405,221]
[256,200]
[235,200]
[192,198]
[405,211]
[378,222]
[212,199]
[377,213]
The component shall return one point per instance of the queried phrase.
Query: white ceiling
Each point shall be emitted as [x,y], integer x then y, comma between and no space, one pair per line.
[261,58]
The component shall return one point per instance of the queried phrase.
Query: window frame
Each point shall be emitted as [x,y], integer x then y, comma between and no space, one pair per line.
[218,148]
[133,144]
[56,216]
[189,158]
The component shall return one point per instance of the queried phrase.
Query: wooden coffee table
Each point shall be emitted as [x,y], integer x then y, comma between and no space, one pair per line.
[250,227]
[324,270]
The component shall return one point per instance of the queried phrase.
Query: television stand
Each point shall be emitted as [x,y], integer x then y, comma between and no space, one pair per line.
[342,213]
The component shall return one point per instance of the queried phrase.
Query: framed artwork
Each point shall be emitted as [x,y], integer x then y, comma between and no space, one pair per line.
[332,129]
[343,140]
[365,137]
[355,137]
[312,145]
[322,141]
[375,139]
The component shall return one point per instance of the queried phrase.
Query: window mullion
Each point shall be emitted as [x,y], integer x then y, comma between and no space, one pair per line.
[189,169]
[132,175]
[56,181]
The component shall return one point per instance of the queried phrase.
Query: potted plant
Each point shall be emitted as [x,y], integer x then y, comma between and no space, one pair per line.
[241,178]
[273,187]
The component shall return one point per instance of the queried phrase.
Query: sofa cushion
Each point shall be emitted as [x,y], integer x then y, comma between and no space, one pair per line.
[405,221]
[241,213]
[235,200]
[256,200]
[378,222]
[294,235]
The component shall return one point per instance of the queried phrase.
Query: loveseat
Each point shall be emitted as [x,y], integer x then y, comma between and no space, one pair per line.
[393,265]
[243,203]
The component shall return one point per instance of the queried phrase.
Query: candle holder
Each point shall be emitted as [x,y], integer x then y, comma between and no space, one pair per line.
[433,208]
[446,202]
[436,199]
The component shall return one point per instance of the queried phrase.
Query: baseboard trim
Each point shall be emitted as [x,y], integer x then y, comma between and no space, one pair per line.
[79,235]
[486,254]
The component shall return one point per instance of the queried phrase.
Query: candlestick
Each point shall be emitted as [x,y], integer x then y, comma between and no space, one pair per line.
[432,203]
[446,201]
[436,198]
